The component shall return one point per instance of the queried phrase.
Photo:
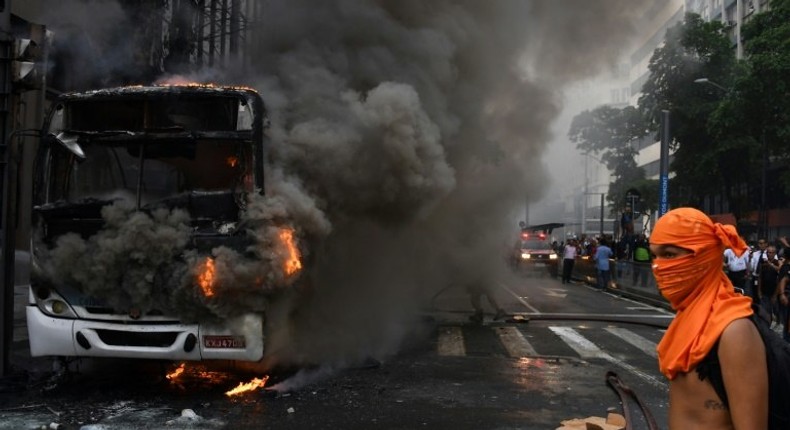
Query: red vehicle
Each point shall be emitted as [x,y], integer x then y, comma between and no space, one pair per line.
[534,252]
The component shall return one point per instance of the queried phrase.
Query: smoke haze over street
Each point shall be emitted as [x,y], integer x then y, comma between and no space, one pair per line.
[405,137]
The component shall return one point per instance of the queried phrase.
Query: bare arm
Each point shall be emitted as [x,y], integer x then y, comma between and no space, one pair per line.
[745,373]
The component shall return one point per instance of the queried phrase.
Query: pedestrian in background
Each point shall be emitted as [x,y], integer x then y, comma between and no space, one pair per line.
[602,255]
[476,292]
[783,299]
[756,257]
[736,268]
[711,346]
[641,256]
[621,256]
[569,254]
[768,285]
[782,246]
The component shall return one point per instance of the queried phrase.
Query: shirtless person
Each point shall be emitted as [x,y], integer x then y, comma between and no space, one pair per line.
[711,342]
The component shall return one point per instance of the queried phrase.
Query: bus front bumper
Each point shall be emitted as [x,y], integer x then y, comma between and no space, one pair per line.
[237,339]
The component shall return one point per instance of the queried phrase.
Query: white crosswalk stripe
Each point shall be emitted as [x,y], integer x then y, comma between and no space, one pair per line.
[587,349]
[634,339]
[451,342]
[517,346]
[579,343]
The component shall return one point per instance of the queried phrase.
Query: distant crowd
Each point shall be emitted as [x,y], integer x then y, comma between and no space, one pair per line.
[762,272]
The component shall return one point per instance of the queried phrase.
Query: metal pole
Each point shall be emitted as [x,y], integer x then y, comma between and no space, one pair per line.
[602,196]
[526,212]
[763,221]
[584,200]
[663,178]
[7,175]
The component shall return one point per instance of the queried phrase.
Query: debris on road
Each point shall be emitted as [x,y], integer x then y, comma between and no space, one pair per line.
[611,422]
[518,319]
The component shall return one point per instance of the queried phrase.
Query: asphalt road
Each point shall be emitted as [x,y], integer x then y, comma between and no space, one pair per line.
[452,373]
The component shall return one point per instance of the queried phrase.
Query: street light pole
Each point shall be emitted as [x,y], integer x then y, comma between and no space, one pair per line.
[663,176]
[708,81]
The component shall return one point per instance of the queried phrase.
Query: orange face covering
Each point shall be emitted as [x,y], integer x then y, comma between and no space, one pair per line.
[696,287]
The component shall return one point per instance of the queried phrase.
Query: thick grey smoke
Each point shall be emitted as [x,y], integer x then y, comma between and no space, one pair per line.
[405,134]
[141,260]
[135,252]
[418,127]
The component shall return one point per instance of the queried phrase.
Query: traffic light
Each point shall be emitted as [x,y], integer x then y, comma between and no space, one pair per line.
[24,67]
[28,68]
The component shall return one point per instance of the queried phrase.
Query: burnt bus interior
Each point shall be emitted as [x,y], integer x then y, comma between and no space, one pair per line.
[191,151]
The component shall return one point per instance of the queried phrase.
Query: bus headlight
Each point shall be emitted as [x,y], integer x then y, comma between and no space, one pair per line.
[525,256]
[58,307]
[53,304]
[552,256]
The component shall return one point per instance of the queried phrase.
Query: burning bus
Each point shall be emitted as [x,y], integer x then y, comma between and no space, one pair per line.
[148,236]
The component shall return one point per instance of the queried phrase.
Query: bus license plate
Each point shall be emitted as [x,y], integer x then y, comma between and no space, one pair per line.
[225,342]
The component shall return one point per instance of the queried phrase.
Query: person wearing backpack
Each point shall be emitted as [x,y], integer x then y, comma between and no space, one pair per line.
[713,342]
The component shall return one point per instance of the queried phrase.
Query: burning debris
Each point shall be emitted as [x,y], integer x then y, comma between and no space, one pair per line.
[203,374]
[172,376]
[243,387]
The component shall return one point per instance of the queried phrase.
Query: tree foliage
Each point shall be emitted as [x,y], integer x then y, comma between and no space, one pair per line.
[703,163]
[756,112]
[611,132]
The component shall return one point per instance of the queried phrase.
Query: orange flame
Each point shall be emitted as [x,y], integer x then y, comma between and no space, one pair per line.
[249,386]
[292,263]
[181,81]
[176,373]
[232,161]
[206,277]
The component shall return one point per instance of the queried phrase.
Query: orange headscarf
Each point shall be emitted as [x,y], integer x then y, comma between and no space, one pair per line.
[696,287]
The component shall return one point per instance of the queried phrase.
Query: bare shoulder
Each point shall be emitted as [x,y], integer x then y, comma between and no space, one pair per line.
[740,345]
[745,373]
[739,334]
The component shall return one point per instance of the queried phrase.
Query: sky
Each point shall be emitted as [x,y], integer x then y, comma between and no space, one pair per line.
[406,138]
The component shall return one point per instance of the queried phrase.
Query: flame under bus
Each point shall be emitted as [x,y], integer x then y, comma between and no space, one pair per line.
[195,148]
